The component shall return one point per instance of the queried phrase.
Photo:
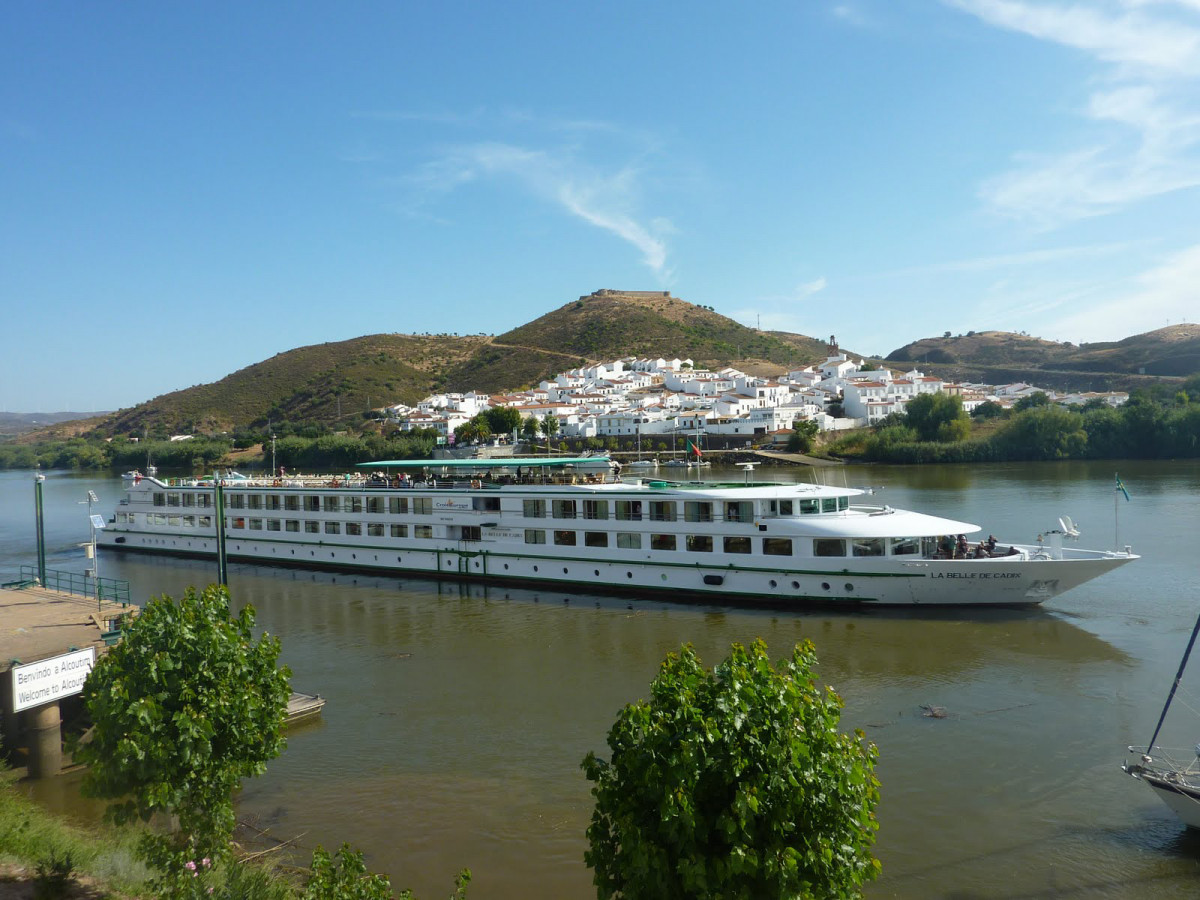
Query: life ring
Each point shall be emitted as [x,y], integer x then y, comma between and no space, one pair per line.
[475,483]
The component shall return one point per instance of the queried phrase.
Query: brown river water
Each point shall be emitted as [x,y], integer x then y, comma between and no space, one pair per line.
[458,715]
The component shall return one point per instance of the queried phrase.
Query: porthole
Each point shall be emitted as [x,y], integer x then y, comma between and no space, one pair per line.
[354,556]
[506,567]
[535,568]
[477,565]
[824,585]
[849,586]
[795,585]
[312,552]
[774,583]
[664,576]
[564,570]
[628,574]
[597,571]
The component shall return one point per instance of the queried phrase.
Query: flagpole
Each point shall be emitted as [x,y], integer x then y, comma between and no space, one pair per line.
[1117,517]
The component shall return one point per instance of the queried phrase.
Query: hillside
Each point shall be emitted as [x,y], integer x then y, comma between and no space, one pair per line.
[995,355]
[334,383]
[12,424]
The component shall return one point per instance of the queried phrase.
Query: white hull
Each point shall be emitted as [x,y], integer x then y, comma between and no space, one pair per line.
[464,534]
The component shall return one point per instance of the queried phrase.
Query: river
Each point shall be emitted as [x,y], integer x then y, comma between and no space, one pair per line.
[457,716]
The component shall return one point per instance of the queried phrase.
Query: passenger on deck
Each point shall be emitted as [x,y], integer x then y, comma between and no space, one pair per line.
[991,544]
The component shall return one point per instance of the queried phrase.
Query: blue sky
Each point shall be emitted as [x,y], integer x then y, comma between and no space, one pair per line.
[187,189]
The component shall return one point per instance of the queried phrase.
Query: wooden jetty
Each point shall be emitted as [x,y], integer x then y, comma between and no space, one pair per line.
[302,706]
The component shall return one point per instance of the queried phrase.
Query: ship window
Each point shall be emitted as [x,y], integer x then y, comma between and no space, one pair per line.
[271,501]
[629,510]
[662,542]
[595,509]
[172,499]
[471,533]
[486,504]
[843,503]
[239,522]
[564,538]
[535,509]
[535,536]
[237,501]
[203,500]
[595,538]
[375,505]
[188,499]
[312,502]
[291,525]
[662,511]
[808,507]
[829,504]
[400,531]
[423,506]
[333,527]
[867,547]
[331,504]
[353,505]
[189,521]
[160,499]
[629,540]
[291,502]
[174,520]
[564,509]
[785,507]
[737,545]
[929,547]
[829,547]
[273,525]
[696,511]
[906,546]
[699,543]
[253,501]
[423,531]
[312,527]
[204,521]
[397,505]
[375,530]
[777,546]
[354,528]
[739,511]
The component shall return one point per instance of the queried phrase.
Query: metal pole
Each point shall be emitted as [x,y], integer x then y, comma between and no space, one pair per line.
[219,501]
[274,471]
[38,478]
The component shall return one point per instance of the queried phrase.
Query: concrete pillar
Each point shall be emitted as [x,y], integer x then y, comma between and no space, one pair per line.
[45,741]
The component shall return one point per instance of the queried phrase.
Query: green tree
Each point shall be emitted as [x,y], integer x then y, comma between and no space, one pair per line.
[928,413]
[988,409]
[804,432]
[503,419]
[185,706]
[1032,401]
[549,426]
[734,783]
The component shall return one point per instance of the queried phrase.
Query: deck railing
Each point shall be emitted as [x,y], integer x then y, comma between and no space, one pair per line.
[114,590]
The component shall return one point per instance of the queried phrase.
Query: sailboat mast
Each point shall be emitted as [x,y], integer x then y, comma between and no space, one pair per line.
[1174,685]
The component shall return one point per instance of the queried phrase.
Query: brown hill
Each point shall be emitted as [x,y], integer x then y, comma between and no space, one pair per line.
[1171,351]
[334,383]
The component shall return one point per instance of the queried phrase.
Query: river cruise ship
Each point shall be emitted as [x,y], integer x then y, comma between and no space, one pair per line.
[575,523]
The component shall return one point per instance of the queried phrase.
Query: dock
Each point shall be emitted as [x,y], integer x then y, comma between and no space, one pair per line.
[61,620]
[302,706]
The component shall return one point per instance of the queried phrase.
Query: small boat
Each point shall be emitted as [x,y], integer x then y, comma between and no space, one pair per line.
[642,464]
[677,463]
[1175,780]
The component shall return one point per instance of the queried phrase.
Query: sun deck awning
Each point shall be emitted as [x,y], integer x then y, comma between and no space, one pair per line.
[505,462]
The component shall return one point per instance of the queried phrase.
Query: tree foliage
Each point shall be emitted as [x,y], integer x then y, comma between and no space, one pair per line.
[734,783]
[185,706]
[937,417]
[804,433]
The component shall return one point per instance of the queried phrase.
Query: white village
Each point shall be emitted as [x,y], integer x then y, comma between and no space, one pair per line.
[671,397]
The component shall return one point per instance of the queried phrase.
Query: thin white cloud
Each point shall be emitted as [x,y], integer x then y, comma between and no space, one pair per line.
[1165,293]
[811,287]
[607,201]
[1012,260]
[851,15]
[1144,134]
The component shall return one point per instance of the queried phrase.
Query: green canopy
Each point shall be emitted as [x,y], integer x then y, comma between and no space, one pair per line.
[507,462]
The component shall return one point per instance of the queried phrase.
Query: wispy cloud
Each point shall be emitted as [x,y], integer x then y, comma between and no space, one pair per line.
[1012,260]
[851,15]
[563,172]
[1145,120]
[1165,293]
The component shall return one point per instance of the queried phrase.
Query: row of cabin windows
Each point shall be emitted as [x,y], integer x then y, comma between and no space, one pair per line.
[651,510]
[318,503]
[695,543]
[706,543]
[354,529]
